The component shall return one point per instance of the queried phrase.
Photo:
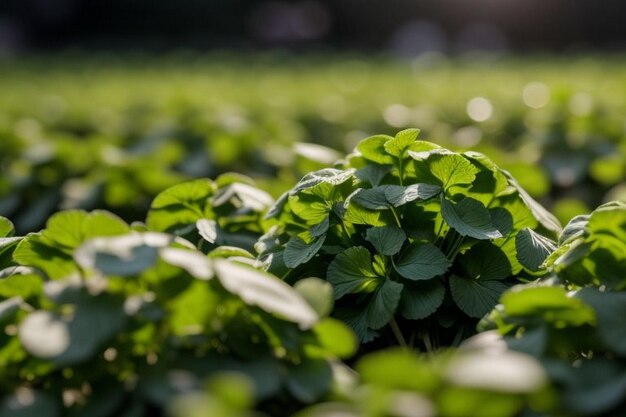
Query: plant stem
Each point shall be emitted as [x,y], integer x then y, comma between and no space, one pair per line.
[397,333]
[427,342]
[400,170]
[395,216]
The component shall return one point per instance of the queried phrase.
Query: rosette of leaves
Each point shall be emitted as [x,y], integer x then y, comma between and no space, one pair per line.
[148,318]
[225,212]
[574,322]
[405,230]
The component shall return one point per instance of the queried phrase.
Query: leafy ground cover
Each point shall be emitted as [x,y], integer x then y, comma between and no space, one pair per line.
[112,132]
[223,302]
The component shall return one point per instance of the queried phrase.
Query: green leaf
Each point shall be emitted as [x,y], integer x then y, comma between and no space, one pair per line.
[421,299]
[476,297]
[610,309]
[312,209]
[551,303]
[359,215]
[6,227]
[532,248]
[399,369]
[596,387]
[485,261]
[371,198]
[336,338]
[609,219]
[373,149]
[575,228]
[124,255]
[397,195]
[351,272]
[298,252]
[24,286]
[195,263]
[422,261]
[373,173]
[387,240]
[469,218]
[309,380]
[330,176]
[383,304]
[230,251]
[318,293]
[398,145]
[180,206]
[448,168]
[71,228]
[265,291]
[278,206]
[547,220]
[243,195]
[33,251]
[356,319]
[207,229]
[74,339]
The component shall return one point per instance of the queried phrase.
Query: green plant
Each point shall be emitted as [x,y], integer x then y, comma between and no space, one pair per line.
[102,320]
[405,230]
[573,322]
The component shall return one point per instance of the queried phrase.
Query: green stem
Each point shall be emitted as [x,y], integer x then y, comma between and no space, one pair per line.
[401,170]
[395,216]
[457,337]
[427,342]
[397,333]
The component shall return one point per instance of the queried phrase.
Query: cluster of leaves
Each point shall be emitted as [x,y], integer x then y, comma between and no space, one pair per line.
[415,243]
[406,230]
[100,318]
[573,322]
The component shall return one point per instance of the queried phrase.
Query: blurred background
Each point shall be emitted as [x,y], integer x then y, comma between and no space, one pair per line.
[405,27]
[104,104]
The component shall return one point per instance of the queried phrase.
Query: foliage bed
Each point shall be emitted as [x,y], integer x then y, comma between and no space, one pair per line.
[356,293]
[112,132]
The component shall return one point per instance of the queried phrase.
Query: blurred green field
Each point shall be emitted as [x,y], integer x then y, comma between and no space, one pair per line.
[111,132]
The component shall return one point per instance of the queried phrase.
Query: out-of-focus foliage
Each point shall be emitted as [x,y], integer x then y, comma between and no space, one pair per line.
[110,132]
[573,323]
[102,320]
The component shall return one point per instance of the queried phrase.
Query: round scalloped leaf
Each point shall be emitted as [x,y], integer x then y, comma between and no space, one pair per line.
[476,297]
[352,271]
[181,205]
[469,218]
[383,304]
[532,249]
[298,252]
[373,149]
[398,145]
[422,261]
[421,299]
[386,240]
